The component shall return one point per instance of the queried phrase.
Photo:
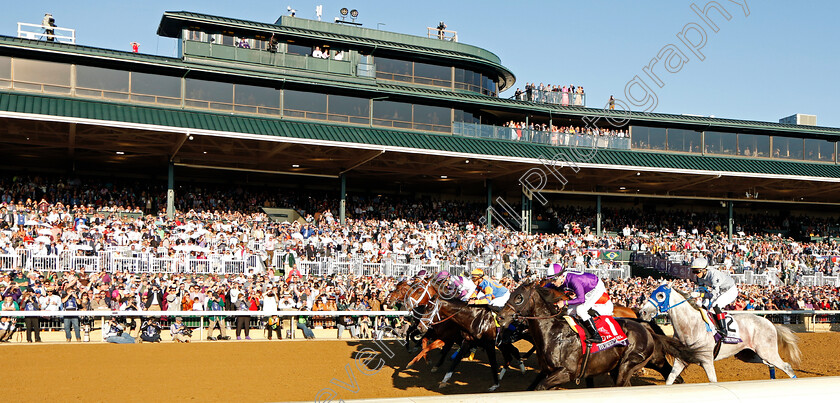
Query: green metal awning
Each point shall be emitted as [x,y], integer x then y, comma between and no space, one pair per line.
[37,106]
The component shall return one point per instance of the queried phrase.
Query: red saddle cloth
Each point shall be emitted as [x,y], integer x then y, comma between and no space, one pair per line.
[610,331]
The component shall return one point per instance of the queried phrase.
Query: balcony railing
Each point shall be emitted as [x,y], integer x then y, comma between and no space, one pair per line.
[553,97]
[46,33]
[539,136]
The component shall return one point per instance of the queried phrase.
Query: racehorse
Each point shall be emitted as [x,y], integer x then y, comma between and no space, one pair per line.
[761,340]
[559,347]
[445,326]
[478,328]
[659,361]
[413,295]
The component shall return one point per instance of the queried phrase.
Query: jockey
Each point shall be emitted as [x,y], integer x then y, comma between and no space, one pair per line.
[495,295]
[721,287]
[590,293]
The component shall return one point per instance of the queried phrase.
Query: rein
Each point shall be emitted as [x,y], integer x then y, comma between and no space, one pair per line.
[436,313]
[538,317]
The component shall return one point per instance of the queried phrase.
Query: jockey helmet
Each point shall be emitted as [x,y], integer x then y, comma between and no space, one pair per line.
[477,273]
[421,273]
[441,275]
[699,264]
[554,270]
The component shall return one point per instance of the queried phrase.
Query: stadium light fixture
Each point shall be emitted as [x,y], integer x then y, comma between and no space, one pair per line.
[354,13]
[443,176]
[295,166]
[343,11]
[467,161]
[622,188]
[205,152]
[120,153]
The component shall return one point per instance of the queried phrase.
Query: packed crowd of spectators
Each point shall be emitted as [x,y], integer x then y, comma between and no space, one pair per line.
[633,293]
[526,131]
[552,94]
[44,216]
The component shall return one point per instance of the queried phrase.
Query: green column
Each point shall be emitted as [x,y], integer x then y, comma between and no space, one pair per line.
[489,204]
[343,205]
[731,219]
[598,216]
[170,192]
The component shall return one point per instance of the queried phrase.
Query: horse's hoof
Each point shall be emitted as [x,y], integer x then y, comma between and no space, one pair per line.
[443,385]
[493,388]
[434,369]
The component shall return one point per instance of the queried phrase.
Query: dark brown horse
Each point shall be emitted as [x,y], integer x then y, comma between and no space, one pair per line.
[442,329]
[659,362]
[559,348]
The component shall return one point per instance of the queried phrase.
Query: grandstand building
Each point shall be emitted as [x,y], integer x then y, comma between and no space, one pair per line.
[317,105]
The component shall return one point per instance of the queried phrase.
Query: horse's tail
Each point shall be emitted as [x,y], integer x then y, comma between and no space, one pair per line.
[789,344]
[675,348]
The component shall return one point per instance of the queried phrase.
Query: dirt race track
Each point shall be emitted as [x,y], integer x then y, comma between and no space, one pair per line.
[289,370]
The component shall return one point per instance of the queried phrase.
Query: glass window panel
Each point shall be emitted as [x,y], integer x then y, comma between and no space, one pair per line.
[212,94]
[256,96]
[304,101]
[5,71]
[393,69]
[720,143]
[196,36]
[49,73]
[295,49]
[684,140]
[390,110]
[432,71]
[639,137]
[155,88]
[349,106]
[107,81]
[787,148]
[753,145]
[434,116]
[657,138]
[819,150]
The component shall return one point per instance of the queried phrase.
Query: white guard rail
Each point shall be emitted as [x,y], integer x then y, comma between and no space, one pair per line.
[817,389]
[193,314]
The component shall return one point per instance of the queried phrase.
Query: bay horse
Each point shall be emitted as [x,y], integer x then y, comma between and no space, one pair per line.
[413,296]
[659,361]
[559,348]
[439,331]
[761,340]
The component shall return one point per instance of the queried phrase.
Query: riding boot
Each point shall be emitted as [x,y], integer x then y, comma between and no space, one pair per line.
[594,336]
[721,326]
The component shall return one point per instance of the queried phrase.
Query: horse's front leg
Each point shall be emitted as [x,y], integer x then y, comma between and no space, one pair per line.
[554,380]
[490,348]
[465,348]
[677,369]
[709,367]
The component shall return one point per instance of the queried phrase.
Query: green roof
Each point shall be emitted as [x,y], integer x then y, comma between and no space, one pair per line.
[190,119]
[384,88]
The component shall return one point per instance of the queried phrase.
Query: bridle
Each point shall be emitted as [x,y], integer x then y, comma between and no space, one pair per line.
[517,315]
[665,305]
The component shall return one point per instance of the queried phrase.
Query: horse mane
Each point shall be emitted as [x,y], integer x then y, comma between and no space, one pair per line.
[687,297]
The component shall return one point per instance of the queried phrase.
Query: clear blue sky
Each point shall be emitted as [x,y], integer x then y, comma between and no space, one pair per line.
[779,60]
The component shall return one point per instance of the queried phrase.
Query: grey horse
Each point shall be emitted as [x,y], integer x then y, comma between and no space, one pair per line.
[761,340]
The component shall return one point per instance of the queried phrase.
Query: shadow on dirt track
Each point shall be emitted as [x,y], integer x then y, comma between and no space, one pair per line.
[469,377]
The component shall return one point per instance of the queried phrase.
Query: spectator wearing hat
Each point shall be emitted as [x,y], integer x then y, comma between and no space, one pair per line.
[215,303]
[178,331]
